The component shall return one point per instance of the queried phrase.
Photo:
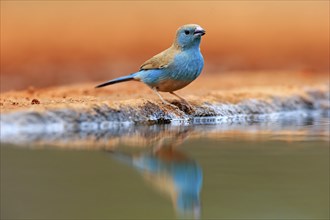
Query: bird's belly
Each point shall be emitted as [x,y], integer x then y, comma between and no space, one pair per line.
[170,85]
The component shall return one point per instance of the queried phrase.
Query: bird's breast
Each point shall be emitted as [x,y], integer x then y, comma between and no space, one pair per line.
[187,65]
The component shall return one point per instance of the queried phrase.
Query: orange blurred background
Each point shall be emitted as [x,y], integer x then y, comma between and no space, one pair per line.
[48,43]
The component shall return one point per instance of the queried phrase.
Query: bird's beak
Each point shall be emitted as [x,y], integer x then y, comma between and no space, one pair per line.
[199,31]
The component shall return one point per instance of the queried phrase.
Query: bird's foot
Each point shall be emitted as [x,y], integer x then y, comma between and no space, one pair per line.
[170,104]
[184,106]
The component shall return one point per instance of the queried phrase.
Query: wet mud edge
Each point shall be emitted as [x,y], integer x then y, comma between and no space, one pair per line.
[105,117]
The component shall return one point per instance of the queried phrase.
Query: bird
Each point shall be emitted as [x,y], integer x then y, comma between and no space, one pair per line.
[174,68]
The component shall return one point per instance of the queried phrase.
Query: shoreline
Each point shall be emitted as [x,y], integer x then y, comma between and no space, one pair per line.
[79,108]
[283,126]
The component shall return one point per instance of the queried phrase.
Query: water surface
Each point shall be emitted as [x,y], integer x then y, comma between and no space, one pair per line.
[275,168]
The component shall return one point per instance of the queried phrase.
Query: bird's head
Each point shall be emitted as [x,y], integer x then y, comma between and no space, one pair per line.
[189,35]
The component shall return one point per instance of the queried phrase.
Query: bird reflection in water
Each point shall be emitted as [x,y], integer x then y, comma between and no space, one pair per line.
[171,172]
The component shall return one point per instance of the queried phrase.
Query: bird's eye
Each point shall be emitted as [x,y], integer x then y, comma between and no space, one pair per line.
[186,32]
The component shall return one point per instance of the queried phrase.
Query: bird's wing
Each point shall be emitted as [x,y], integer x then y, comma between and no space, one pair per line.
[161,60]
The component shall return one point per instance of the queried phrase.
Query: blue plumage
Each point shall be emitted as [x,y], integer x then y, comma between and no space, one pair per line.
[173,68]
[181,176]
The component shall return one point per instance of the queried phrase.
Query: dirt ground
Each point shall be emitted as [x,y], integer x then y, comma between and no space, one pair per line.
[231,87]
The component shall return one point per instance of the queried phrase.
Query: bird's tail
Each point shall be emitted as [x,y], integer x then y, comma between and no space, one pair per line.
[117,80]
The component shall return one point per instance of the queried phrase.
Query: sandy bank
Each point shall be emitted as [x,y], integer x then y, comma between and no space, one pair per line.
[232,97]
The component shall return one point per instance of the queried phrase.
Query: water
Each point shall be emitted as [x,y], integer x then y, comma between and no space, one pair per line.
[275,168]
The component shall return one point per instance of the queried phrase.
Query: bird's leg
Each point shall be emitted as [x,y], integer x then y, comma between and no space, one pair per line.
[182,99]
[161,98]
